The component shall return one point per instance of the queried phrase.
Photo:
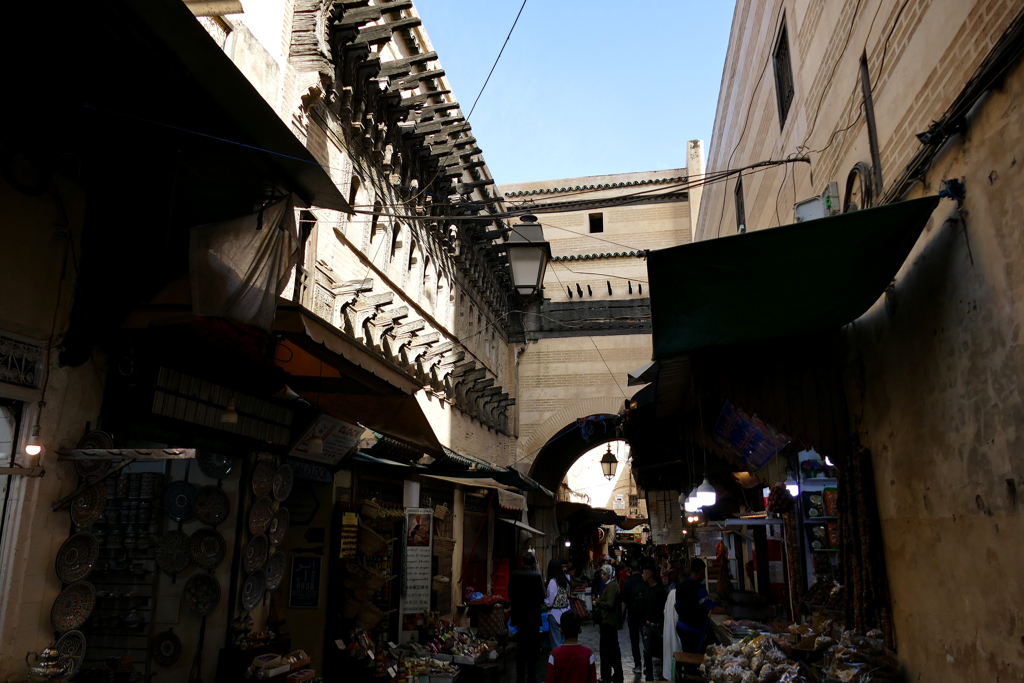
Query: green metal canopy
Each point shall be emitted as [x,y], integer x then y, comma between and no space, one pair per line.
[787,280]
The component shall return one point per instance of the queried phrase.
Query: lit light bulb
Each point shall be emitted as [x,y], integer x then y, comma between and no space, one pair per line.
[828,463]
[706,494]
[692,504]
[685,532]
[792,486]
[33,447]
[230,415]
[568,543]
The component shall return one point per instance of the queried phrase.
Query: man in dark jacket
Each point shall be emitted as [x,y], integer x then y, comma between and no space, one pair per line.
[526,594]
[654,612]
[694,607]
[633,599]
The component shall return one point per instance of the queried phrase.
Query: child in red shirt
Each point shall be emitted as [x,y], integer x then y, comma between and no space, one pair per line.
[572,662]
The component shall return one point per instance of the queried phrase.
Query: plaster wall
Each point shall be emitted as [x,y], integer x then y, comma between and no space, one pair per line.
[932,378]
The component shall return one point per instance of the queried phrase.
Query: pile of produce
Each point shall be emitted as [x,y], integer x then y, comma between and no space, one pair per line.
[779,500]
[758,659]
[863,659]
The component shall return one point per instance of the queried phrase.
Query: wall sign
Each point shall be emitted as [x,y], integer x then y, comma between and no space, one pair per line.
[305,582]
[339,438]
[416,560]
[306,470]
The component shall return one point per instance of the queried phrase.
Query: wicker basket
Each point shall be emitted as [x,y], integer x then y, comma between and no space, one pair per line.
[440,584]
[375,579]
[352,607]
[444,547]
[369,616]
[363,594]
[441,512]
[370,509]
[357,576]
[370,542]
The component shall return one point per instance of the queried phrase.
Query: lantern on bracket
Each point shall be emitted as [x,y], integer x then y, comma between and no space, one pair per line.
[528,255]
[609,464]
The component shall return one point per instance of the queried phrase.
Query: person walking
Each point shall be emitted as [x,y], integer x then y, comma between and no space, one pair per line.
[557,599]
[526,595]
[572,662]
[608,616]
[633,600]
[654,617]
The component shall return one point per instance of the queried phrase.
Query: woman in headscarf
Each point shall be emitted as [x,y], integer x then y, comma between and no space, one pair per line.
[557,600]
[608,617]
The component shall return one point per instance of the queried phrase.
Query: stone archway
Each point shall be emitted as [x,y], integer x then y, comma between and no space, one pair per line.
[531,445]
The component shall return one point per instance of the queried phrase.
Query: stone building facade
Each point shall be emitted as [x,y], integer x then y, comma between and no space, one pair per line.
[931,369]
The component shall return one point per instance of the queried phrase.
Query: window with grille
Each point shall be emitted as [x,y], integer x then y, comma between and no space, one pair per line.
[783,75]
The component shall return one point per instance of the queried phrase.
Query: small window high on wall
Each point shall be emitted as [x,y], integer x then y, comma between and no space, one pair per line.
[783,74]
[597,222]
[741,210]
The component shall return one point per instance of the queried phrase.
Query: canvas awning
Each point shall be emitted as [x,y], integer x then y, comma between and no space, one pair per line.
[769,283]
[522,525]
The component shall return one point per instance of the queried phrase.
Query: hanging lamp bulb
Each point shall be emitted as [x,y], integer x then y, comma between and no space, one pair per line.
[706,494]
[692,503]
[230,415]
[682,500]
[792,486]
[33,446]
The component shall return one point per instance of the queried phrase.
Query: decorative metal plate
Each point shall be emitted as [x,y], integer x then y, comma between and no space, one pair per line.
[282,483]
[255,553]
[252,591]
[263,477]
[275,570]
[202,594]
[70,653]
[76,557]
[211,505]
[87,507]
[278,526]
[178,500]
[172,551]
[260,515]
[207,548]
[92,440]
[72,607]
[166,648]
[214,465]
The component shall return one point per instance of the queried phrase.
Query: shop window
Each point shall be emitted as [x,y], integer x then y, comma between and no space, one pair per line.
[597,222]
[741,212]
[783,75]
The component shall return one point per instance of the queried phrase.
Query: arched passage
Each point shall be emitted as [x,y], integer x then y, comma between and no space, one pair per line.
[551,463]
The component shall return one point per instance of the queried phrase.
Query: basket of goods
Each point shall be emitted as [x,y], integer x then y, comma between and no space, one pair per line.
[351,607]
[444,547]
[859,659]
[370,509]
[441,512]
[370,542]
[375,579]
[369,616]
[441,584]
[357,576]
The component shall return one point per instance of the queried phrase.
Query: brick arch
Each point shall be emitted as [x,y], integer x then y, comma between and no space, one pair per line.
[558,420]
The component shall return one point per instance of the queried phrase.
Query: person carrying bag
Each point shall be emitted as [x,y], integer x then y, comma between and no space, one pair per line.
[608,616]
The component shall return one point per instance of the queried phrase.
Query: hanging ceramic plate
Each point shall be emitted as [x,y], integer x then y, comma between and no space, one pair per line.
[76,557]
[207,548]
[252,591]
[87,506]
[202,594]
[94,439]
[211,505]
[178,500]
[255,554]
[70,653]
[166,648]
[278,526]
[214,465]
[72,607]
[282,483]
[263,477]
[172,551]
[260,515]
[275,570]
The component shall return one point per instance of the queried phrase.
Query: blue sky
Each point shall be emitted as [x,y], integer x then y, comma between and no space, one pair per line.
[585,87]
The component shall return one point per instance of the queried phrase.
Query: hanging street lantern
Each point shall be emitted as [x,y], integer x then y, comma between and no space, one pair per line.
[609,463]
[528,255]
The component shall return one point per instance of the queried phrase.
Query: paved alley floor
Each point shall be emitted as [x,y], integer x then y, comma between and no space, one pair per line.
[591,638]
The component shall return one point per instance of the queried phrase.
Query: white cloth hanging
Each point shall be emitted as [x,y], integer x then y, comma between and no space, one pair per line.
[670,639]
[240,266]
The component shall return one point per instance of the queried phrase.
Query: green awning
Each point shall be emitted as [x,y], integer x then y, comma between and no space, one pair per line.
[769,283]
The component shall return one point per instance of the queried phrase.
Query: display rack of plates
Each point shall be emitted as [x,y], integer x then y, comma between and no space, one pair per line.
[123,515]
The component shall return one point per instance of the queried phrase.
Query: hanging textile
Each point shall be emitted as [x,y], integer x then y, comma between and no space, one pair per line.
[240,266]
